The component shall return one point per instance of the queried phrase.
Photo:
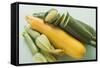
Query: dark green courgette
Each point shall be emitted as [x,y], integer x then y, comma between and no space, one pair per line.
[78,30]
[89,28]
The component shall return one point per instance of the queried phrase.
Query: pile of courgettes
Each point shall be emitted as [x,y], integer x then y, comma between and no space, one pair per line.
[39,46]
[74,27]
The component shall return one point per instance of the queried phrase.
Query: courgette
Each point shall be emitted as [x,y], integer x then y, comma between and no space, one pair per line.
[34,34]
[39,15]
[39,58]
[63,20]
[30,43]
[50,15]
[59,19]
[49,57]
[89,28]
[76,29]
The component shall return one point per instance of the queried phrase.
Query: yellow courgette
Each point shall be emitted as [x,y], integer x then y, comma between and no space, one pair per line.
[58,37]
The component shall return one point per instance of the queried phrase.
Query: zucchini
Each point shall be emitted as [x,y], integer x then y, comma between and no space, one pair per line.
[49,57]
[39,15]
[55,19]
[51,15]
[77,30]
[34,34]
[39,58]
[30,43]
[59,20]
[89,28]
[64,20]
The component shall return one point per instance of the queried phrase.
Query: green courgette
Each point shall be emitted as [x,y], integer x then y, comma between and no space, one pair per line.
[64,20]
[34,34]
[49,57]
[39,58]
[51,15]
[59,19]
[89,28]
[30,43]
[77,30]
[39,15]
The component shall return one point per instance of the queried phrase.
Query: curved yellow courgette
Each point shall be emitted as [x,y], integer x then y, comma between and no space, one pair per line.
[58,37]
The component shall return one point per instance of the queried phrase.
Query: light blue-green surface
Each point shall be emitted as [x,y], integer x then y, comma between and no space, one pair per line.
[84,14]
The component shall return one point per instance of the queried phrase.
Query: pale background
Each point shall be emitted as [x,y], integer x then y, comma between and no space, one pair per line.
[87,15]
[5,34]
